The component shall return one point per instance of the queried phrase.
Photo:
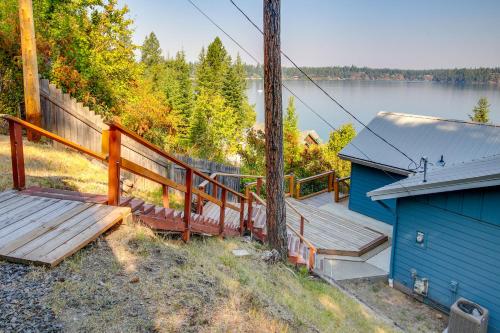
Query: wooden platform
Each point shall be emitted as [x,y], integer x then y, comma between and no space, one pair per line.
[45,230]
[332,234]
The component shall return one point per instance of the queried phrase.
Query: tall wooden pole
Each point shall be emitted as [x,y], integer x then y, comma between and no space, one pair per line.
[275,195]
[30,66]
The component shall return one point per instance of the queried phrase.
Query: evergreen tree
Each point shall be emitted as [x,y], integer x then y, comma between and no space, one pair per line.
[291,137]
[481,111]
[151,51]
[212,68]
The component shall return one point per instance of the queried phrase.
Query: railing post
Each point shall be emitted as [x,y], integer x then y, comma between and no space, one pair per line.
[187,206]
[242,216]
[331,177]
[17,155]
[222,212]
[259,186]
[199,201]
[114,147]
[215,188]
[291,185]
[302,226]
[249,211]
[336,189]
[165,196]
[297,191]
[311,259]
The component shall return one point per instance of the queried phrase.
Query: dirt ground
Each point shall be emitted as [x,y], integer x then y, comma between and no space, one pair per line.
[406,312]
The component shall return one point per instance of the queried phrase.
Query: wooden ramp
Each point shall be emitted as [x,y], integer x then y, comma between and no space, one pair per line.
[45,230]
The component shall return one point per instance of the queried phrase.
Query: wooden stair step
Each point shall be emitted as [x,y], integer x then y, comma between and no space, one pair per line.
[147,208]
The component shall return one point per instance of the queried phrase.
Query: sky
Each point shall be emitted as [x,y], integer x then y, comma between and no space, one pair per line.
[409,34]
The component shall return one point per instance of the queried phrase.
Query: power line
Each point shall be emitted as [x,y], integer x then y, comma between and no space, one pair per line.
[323,90]
[287,88]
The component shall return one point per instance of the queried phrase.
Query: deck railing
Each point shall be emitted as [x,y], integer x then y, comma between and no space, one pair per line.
[342,188]
[112,145]
[314,187]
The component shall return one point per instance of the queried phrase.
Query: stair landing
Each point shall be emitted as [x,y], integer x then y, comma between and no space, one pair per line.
[46,229]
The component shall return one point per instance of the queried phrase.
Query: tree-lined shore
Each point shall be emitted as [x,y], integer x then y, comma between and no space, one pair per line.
[456,75]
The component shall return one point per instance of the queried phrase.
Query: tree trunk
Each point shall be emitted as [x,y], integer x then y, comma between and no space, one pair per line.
[275,197]
[30,67]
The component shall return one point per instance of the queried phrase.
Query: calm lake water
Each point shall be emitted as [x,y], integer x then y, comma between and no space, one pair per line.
[366,98]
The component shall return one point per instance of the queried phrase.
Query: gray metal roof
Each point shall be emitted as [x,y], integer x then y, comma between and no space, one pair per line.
[419,136]
[483,172]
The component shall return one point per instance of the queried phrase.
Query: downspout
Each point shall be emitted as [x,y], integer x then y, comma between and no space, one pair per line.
[393,246]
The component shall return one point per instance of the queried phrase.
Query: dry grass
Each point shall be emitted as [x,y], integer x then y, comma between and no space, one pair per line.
[132,280]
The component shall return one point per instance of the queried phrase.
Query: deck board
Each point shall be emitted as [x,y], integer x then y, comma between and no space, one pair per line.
[45,230]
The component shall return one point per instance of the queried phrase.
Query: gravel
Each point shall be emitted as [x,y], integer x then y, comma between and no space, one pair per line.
[22,305]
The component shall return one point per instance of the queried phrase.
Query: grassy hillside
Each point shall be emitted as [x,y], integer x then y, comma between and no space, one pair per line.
[134,280]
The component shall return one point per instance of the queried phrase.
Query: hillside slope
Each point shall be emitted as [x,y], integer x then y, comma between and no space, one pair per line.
[133,280]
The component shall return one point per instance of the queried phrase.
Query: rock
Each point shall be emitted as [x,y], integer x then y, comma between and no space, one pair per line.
[135,279]
[271,257]
[439,316]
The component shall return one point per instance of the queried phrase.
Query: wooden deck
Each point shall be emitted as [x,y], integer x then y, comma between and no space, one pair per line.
[332,234]
[47,229]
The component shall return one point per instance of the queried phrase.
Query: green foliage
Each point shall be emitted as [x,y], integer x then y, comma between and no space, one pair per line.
[337,141]
[481,111]
[291,137]
[221,113]
[212,128]
[253,153]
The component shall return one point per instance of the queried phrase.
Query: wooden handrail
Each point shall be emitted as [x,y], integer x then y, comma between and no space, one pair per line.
[158,150]
[321,175]
[54,137]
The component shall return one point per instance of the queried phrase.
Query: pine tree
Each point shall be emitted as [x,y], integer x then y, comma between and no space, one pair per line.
[212,68]
[481,111]
[291,137]
[151,51]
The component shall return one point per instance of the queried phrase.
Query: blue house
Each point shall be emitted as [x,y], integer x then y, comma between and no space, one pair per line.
[446,236]
[442,141]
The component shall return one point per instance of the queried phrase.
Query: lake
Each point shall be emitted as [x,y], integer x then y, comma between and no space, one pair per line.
[366,98]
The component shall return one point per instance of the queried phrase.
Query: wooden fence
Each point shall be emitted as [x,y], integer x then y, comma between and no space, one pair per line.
[64,116]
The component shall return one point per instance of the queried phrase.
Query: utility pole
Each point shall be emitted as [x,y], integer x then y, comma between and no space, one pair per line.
[30,66]
[275,195]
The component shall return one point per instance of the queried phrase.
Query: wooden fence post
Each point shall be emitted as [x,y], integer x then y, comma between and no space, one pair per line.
[222,212]
[114,147]
[165,196]
[17,155]
[186,235]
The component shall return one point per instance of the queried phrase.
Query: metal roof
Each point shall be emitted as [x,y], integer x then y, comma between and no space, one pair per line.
[478,173]
[419,136]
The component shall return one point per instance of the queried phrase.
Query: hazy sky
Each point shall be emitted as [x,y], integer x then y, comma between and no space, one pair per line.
[375,33]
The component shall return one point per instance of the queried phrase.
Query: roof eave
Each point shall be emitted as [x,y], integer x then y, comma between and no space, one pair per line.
[422,189]
[375,165]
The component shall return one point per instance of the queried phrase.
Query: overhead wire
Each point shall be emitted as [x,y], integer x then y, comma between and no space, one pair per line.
[286,87]
[324,91]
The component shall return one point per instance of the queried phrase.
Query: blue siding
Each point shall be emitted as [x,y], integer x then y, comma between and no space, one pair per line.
[462,244]
[365,179]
